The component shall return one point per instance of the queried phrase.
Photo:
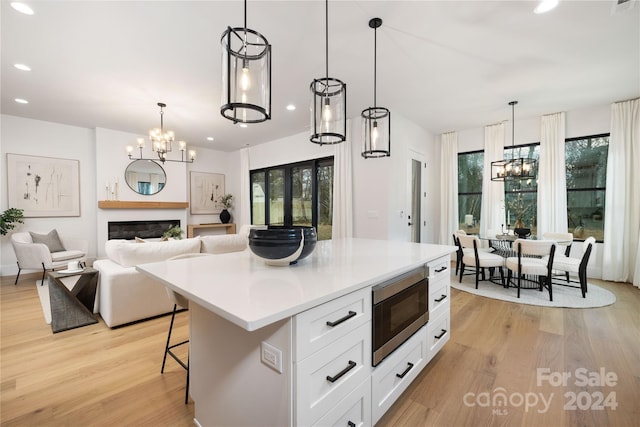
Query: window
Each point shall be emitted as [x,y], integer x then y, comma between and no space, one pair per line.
[470,167]
[294,194]
[586,164]
[521,196]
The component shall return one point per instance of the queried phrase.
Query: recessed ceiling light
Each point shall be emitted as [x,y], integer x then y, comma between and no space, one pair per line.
[545,6]
[22,67]
[21,101]
[22,8]
[291,107]
[243,125]
[209,138]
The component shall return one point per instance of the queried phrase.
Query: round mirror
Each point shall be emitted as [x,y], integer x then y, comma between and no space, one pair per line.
[145,177]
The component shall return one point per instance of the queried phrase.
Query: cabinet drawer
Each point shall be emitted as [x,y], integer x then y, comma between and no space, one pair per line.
[439,268]
[393,376]
[439,296]
[354,410]
[438,333]
[329,375]
[321,325]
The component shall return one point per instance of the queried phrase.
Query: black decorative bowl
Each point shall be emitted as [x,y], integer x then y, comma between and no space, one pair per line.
[523,233]
[282,245]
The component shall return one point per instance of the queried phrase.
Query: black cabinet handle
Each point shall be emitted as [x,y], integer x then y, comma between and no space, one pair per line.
[443,297]
[339,375]
[406,371]
[344,319]
[444,331]
[351,424]
[440,270]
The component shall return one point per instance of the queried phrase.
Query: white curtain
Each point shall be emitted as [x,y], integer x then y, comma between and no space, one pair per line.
[492,212]
[621,260]
[552,180]
[342,189]
[245,188]
[448,186]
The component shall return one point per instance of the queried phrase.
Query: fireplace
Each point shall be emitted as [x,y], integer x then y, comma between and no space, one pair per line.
[143,229]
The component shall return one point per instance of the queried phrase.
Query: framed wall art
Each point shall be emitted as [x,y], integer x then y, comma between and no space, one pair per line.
[43,186]
[206,189]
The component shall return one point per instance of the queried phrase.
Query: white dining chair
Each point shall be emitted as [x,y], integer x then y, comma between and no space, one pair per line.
[479,259]
[564,240]
[533,258]
[569,265]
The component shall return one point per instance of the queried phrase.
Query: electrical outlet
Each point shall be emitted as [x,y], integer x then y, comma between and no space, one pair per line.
[271,356]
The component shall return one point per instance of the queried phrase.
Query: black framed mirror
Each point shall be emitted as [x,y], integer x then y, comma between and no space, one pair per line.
[145,177]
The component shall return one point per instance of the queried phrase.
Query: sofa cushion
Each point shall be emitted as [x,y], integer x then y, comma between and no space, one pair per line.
[51,240]
[220,244]
[129,254]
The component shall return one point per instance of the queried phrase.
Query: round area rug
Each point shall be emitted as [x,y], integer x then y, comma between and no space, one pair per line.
[563,296]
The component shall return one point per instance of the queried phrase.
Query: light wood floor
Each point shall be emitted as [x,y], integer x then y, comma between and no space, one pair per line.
[95,376]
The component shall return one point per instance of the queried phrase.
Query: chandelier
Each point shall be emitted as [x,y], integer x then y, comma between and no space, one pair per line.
[376,121]
[516,168]
[161,142]
[246,75]
[329,103]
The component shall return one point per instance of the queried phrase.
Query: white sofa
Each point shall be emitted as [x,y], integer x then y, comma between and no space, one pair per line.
[126,295]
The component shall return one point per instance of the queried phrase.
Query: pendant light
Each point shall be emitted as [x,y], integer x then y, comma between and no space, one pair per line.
[376,121]
[516,168]
[246,75]
[161,142]
[329,103]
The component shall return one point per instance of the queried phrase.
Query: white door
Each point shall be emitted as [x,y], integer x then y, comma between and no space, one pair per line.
[416,197]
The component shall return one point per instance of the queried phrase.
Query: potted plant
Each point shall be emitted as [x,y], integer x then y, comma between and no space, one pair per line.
[9,219]
[174,233]
[227,203]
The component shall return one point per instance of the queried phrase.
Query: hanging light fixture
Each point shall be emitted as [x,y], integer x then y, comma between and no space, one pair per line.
[329,103]
[246,75]
[161,142]
[376,121]
[516,168]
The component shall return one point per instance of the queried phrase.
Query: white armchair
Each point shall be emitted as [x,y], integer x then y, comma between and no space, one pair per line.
[36,256]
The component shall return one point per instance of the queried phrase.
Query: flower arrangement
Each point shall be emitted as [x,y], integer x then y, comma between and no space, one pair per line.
[518,207]
[174,232]
[227,201]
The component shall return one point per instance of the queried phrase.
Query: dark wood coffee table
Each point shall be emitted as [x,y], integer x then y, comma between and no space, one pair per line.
[72,308]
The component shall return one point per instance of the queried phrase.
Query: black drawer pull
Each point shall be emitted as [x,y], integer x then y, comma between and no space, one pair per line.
[344,319]
[406,371]
[351,424]
[442,298]
[444,331]
[440,270]
[339,375]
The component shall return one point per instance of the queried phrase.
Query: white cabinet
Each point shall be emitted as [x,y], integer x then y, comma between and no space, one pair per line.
[332,357]
[352,411]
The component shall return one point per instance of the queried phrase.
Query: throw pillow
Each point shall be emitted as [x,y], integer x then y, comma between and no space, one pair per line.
[52,240]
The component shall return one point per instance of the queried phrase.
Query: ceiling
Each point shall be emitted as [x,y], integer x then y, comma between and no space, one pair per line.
[445,65]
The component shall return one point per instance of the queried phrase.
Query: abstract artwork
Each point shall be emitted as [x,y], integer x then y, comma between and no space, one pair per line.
[43,186]
[206,191]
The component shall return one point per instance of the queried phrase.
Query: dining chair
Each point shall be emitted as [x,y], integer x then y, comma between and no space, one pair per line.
[534,258]
[562,239]
[456,243]
[479,259]
[179,302]
[577,266]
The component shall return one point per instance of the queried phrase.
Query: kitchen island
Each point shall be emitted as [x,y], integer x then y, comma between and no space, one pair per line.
[261,350]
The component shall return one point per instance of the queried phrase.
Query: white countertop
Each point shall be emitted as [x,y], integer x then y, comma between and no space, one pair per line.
[244,290]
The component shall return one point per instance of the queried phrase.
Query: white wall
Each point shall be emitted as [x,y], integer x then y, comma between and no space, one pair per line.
[102,157]
[38,138]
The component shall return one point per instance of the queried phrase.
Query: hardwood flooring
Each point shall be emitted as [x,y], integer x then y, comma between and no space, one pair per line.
[96,376]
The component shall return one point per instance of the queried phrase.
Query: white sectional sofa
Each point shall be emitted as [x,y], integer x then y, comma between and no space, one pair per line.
[126,295]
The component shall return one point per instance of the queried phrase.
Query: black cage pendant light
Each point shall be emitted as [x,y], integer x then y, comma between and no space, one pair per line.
[246,75]
[329,103]
[376,121]
[516,168]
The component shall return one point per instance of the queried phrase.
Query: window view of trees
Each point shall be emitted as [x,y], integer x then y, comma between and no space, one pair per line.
[586,160]
[294,194]
[521,196]
[470,166]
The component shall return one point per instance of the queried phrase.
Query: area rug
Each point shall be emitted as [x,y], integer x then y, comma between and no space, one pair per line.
[43,294]
[563,296]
